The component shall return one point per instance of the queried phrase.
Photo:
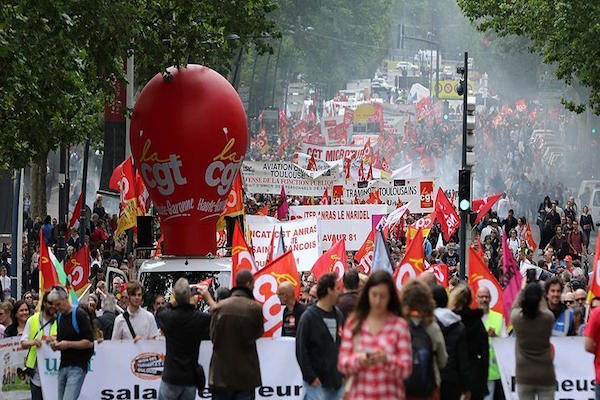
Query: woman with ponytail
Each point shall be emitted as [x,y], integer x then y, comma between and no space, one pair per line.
[532,322]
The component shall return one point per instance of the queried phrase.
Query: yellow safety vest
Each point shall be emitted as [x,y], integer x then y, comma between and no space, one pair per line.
[494,320]
[35,322]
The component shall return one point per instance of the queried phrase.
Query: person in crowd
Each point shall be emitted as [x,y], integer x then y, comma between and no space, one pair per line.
[236,323]
[5,315]
[20,314]
[533,324]
[503,207]
[184,327]
[318,339]
[349,297]
[109,313]
[116,284]
[305,295]
[157,304]
[417,307]
[74,340]
[521,228]
[292,311]
[135,322]
[510,222]
[451,258]
[90,307]
[513,242]
[494,324]
[587,224]
[455,378]
[5,282]
[577,242]
[563,315]
[40,327]
[580,297]
[559,243]
[47,230]
[376,348]
[569,299]
[477,340]
[122,297]
[579,319]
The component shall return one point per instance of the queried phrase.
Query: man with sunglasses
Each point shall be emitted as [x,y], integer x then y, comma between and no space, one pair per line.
[40,327]
[74,340]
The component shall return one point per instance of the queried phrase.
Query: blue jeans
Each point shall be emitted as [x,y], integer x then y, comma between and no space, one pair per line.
[224,394]
[168,391]
[321,393]
[70,381]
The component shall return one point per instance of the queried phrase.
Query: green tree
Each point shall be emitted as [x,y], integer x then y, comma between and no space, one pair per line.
[563,32]
[62,58]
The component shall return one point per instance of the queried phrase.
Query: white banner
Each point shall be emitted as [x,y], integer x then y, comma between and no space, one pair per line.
[352,222]
[15,383]
[574,368]
[300,236]
[420,192]
[302,161]
[268,177]
[127,370]
[332,153]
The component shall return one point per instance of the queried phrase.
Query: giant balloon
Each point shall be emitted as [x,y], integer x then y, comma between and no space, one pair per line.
[188,139]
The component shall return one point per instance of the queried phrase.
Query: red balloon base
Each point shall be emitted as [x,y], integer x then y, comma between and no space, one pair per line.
[197,239]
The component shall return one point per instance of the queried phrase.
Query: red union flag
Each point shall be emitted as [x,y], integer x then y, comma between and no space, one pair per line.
[413,263]
[123,180]
[241,257]
[481,277]
[78,270]
[441,273]
[425,224]
[235,200]
[333,260]
[446,215]
[364,255]
[529,238]
[266,282]
[482,206]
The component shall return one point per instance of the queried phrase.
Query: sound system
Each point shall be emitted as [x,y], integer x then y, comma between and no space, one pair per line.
[144,231]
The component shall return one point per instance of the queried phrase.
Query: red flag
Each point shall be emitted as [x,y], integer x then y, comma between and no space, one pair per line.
[235,200]
[482,206]
[264,211]
[78,269]
[374,198]
[338,193]
[370,173]
[123,180]
[325,199]
[413,263]
[47,270]
[364,255]
[480,276]
[446,215]
[266,282]
[141,193]
[347,163]
[312,163]
[348,116]
[441,273]
[385,166]
[595,281]
[521,105]
[76,215]
[529,238]
[241,257]
[271,247]
[361,173]
[333,260]
[367,151]
[282,210]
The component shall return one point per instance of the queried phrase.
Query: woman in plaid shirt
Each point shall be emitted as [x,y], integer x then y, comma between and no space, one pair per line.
[376,347]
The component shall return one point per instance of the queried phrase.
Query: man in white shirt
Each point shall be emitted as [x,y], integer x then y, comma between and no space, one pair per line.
[141,322]
[503,207]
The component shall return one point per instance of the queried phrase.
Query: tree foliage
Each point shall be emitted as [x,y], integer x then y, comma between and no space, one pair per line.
[564,32]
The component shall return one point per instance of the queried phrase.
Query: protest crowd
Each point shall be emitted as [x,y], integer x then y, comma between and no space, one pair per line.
[369,330]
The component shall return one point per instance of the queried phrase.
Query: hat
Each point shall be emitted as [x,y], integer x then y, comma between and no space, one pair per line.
[568,258]
[494,221]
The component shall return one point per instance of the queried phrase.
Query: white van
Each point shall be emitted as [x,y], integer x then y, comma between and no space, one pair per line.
[158,276]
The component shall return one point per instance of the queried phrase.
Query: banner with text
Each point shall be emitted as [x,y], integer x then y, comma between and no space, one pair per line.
[332,153]
[15,382]
[127,370]
[352,222]
[267,177]
[300,236]
[574,368]
[420,192]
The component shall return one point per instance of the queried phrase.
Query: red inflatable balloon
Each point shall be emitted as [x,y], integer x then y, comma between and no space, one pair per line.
[188,138]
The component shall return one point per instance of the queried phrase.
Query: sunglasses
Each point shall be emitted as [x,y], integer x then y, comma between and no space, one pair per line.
[569,301]
[580,300]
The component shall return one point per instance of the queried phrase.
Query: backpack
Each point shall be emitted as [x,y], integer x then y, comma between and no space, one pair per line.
[73,319]
[422,380]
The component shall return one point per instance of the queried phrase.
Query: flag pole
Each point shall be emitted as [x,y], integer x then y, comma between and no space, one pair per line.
[86,153]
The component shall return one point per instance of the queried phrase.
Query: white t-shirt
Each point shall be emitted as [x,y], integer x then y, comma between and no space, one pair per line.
[5,281]
[25,336]
[503,207]
[142,322]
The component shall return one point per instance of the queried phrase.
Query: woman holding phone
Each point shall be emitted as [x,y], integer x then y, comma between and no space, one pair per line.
[375,354]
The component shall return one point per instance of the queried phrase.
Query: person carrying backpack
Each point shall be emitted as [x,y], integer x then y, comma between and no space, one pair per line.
[428,347]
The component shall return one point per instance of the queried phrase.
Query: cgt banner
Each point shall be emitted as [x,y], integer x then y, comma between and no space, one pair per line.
[300,236]
[332,153]
[574,368]
[127,370]
[351,222]
[419,192]
[267,177]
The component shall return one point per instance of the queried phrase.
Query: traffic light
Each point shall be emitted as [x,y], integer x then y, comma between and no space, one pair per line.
[464,189]
[471,101]
[446,110]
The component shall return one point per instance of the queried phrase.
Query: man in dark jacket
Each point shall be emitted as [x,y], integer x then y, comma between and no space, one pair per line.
[236,323]
[184,327]
[292,311]
[318,340]
[349,297]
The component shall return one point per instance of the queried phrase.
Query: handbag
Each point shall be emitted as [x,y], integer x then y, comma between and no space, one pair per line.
[350,380]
